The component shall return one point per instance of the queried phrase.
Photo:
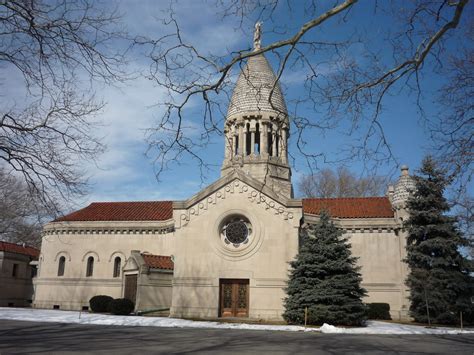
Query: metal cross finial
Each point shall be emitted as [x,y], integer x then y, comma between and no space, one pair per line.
[257,36]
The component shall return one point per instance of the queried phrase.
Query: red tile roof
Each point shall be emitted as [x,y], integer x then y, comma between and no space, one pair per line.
[122,211]
[19,249]
[158,261]
[356,207]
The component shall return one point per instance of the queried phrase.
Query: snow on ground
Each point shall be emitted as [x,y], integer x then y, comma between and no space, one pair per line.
[43,315]
[375,327]
[48,315]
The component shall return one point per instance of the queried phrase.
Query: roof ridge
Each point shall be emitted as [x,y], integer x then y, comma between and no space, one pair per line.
[20,245]
[156,255]
[344,198]
[112,202]
[19,249]
[154,261]
[350,207]
[122,211]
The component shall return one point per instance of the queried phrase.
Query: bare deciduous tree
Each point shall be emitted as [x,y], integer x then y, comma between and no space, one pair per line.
[22,212]
[346,80]
[52,51]
[327,183]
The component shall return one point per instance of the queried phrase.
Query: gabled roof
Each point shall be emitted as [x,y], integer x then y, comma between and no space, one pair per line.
[350,207]
[19,249]
[158,261]
[122,211]
[227,179]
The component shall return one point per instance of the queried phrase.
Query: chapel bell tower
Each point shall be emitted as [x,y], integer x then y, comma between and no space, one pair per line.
[257,127]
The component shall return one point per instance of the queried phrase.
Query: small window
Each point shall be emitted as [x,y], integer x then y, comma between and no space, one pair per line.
[61,265]
[117,263]
[34,272]
[15,270]
[90,266]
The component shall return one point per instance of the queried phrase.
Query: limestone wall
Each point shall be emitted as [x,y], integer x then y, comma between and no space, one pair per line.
[202,258]
[383,271]
[154,290]
[76,241]
[15,290]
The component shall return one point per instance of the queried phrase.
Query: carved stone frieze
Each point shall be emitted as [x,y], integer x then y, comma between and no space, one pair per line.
[234,187]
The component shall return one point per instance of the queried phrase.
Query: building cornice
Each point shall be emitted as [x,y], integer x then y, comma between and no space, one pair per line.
[110,227]
[360,225]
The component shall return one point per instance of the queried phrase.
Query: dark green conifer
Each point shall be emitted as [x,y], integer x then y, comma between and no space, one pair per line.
[325,279]
[439,275]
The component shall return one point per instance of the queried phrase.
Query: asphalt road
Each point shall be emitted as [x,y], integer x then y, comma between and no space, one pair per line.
[54,338]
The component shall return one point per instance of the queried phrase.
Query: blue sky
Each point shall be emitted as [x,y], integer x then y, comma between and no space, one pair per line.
[124,172]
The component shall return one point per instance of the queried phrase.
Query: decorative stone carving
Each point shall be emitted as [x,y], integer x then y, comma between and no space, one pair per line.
[235,187]
[257,36]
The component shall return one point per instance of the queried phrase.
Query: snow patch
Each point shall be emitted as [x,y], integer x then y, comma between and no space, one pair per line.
[375,327]
[47,315]
[58,316]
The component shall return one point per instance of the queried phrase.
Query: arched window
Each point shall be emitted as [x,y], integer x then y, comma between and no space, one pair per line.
[90,266]
[257,139]
[117,263]
[61,265]
[236,146]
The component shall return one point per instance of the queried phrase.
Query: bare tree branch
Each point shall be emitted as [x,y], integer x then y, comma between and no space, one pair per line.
[54,48]
[344,90]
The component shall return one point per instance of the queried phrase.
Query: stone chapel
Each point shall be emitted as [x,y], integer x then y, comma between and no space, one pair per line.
[225,251]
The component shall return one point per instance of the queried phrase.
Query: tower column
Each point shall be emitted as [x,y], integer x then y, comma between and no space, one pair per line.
[264,140]
[274,144]
[228,145]
[284,145]
[244,148]
[241,140]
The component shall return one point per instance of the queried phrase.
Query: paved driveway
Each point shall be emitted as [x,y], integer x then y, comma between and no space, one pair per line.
[18,337]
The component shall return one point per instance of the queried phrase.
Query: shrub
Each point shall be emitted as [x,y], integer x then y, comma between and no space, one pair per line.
[378,311]
[121,306]
[100,304]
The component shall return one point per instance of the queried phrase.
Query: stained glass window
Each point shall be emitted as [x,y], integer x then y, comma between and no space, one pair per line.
[236,231]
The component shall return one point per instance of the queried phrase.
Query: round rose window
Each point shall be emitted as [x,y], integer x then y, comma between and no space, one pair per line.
[236,231]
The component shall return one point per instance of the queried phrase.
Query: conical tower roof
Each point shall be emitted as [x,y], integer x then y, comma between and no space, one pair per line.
[252,92]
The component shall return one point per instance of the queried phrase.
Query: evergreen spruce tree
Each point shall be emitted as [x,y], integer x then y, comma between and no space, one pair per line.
[324,277]
[439,275]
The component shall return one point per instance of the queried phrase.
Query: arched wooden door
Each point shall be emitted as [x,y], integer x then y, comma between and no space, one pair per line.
[234,298]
